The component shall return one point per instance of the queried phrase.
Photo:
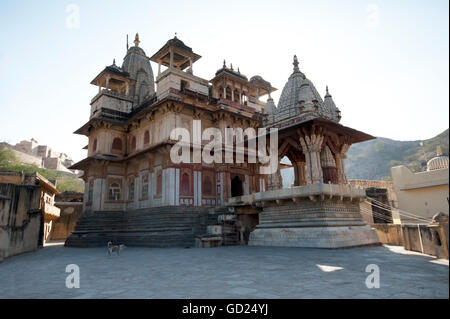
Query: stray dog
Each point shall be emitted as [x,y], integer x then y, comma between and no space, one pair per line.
[114,248]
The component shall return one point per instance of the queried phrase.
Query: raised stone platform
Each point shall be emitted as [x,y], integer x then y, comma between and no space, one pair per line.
[317,237]
[317,215]
[153,227]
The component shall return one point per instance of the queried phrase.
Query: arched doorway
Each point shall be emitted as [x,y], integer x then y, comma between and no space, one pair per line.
[237,188]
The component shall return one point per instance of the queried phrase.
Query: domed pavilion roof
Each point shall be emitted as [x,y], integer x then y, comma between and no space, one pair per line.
[440,161]
[301,100]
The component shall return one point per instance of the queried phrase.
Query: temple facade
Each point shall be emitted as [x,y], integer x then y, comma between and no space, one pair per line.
[128,164]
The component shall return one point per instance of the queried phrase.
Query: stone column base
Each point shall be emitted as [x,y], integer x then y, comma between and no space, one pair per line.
[315,237]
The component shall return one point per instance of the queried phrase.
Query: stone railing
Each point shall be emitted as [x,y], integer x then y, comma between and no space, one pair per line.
[312,191]
[112,94]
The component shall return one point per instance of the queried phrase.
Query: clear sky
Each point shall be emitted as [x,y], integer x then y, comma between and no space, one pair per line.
[386,62]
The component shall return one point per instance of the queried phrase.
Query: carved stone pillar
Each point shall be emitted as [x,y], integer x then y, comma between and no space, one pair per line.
[311,145]
[300,173]
[340,157]
[329,169]
[275,181]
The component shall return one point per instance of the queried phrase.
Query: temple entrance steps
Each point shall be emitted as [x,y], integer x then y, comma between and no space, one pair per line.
[171,226]
[221,229]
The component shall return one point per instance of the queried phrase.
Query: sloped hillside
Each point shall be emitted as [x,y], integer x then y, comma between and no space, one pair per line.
[373,159]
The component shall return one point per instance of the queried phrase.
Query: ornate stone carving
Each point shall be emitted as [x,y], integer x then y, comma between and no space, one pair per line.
[275,181]
[340,157]
[312,145]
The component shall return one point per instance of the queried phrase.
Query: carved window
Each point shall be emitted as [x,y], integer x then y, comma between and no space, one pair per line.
[94,146]
[114,191]
[228,93]
[90,190]
[133,144]
[159,183]
[207,187]
[144,189]
[146,138]
[131,190]
[185,184]
[117,144]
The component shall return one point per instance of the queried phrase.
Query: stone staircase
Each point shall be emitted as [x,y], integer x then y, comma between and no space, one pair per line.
[172,226]
[221,229]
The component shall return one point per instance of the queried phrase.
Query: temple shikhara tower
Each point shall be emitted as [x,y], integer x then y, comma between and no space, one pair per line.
[135,194]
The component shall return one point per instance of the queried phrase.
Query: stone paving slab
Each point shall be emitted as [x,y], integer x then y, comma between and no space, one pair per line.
[224,272]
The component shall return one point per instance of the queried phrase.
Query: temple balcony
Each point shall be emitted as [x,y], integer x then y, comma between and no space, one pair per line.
[236,106]
[256,104]
[108,99]
[174,79]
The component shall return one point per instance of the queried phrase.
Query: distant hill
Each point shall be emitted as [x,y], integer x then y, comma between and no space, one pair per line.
[64,181]
[372,160]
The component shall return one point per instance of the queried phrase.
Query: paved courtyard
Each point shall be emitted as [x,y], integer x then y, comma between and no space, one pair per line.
[225,272]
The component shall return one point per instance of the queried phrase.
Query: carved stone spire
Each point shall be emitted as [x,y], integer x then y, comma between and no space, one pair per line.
[295,63]
[136,40]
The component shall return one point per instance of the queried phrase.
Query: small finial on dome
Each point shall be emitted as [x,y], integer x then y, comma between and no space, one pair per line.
[175,36]
[239,71]
[438,151]
[295,63]
[231,66]
[114,61]
[136,40]
[327,92]
[224,64]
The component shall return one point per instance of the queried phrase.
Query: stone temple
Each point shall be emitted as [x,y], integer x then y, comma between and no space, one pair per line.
[136,195]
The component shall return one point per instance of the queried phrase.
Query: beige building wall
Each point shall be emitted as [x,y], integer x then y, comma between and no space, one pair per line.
[20,219]
[424,194]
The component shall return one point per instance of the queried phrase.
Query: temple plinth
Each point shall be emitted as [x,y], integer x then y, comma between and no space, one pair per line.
[317,215]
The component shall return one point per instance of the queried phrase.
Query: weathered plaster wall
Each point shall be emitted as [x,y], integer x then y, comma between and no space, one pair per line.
[427,239]
[389,234]
[65,224]
[71,206]
[20,219]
